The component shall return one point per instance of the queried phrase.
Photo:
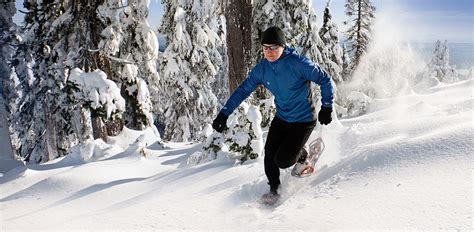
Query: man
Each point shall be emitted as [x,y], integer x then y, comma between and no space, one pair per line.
[287,75]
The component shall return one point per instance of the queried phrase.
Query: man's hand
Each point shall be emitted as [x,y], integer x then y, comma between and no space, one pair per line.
[324,115]
[220,123]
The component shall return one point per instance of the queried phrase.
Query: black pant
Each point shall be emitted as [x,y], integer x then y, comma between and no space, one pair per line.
[284,141]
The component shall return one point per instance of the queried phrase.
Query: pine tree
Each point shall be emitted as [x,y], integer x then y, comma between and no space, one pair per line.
[10,41]
[188,69]
[220,86]
[438,66]
[7,39]
[130,38]
[346,64]
[22,79]
[78,32]
[331,51]
[59,36]
[361,15]
[34,134]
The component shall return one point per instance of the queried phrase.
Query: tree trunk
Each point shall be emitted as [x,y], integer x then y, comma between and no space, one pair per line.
[238,15]
[99,129]
[51,145]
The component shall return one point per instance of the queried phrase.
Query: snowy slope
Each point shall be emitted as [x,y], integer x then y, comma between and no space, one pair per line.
[405,165]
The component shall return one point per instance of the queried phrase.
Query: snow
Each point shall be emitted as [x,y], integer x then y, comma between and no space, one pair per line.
[405,165]
[98,90]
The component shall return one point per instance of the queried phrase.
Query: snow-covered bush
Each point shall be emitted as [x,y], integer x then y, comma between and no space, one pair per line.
[212,148]
[244,137]
[357,103]
[242,140]
[267,109]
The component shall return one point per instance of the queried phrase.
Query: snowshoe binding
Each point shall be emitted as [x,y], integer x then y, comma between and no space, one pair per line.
[308,158]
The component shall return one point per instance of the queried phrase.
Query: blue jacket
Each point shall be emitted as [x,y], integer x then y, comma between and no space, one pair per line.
[288,79]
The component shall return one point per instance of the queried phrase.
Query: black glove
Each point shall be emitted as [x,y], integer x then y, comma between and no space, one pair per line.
[324,115]
[220,123]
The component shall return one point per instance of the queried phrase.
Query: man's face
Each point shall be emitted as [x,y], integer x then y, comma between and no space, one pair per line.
[272,51]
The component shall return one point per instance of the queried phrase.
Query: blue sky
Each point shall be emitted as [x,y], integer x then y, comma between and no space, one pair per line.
[422,20]
[425,20]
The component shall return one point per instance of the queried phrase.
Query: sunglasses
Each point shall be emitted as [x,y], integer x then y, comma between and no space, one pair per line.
[270,47]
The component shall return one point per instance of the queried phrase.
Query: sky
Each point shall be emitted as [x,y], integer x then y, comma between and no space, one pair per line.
[421,20]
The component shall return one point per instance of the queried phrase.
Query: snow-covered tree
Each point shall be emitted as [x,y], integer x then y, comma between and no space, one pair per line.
[438,66]
[140,79]
[94,94]
[346,64]
[7,39]
[21,83]
[33,127]
[361,15]
[331,51]
[188,68]
[221,84]
[79,32]
[59,36]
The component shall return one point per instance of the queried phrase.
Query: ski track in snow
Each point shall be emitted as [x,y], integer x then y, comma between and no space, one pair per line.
[407,164]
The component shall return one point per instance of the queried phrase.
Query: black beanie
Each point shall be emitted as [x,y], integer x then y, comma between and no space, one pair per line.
[273,35]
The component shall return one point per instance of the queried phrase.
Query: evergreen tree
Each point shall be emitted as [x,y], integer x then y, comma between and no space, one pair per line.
[346,64]
[361,15]
[10,89]
[221,84]
[80,31]
[59,36]
[188,69]
[34,132]
[139,46]
[331,51]
[438,66]
[7,39]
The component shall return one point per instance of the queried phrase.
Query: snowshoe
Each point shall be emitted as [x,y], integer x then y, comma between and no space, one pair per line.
[304,168]
[269,199]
